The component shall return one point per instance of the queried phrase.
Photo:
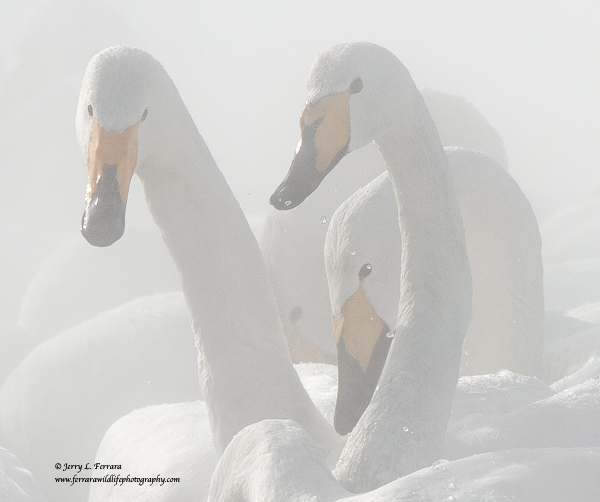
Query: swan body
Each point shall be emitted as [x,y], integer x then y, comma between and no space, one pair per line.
[170,440]
[589,312]
[568,345]
[572,254]
[130,117]
[57,404]
[360,93]
[175,440]
[17,483]
[292,241]
[275,460]
[486,413]
[119,274]
[504,248]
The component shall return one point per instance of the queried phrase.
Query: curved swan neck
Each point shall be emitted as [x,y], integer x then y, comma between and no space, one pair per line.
[402,430]
[245,369]
[434,259]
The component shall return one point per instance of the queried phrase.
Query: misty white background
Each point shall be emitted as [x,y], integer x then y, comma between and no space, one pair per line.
[531,67]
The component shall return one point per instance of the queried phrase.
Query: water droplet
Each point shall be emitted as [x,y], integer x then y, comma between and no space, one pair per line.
[439,465]
[452,486]
[287,203]
[390,334]
[405,429]
[324,220]
[352,253]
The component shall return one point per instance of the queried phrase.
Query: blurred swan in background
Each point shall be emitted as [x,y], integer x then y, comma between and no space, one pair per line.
[16,483]
[572,256]
[63,396]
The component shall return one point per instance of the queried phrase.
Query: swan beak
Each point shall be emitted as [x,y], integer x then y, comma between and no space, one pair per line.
[112,157]
[363,344]
[325,137]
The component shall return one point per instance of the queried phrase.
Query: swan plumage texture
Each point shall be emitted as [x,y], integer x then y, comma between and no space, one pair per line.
[175,440]
[285,465]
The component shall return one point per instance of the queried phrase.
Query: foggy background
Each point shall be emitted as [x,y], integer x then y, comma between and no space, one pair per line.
[531,68]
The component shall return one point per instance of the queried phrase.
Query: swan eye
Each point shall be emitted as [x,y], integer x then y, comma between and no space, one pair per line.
[90,110]
[144,115]
[296,314]
[356,86]
[365,270]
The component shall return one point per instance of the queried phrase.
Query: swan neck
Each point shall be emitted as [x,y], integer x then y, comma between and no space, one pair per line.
[245,370]
[409,411]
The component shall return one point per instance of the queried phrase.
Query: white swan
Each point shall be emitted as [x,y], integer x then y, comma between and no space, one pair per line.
[58,403]
[504,410]
[175,440]
[276,460]
[504,248]
[16,483]
[359,93]
[572,254]
[130,117]
[119,274]
[292,241]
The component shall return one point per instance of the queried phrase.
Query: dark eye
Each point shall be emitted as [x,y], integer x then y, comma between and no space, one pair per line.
[356,86]
[296,314]
[90,110]
[144,115]
[365,270]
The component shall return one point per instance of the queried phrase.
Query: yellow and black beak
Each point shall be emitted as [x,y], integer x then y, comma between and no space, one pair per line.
[325,130]
[363,341]
[112,157]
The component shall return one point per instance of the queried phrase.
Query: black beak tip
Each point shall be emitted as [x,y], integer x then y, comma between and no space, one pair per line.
[282,201]
[100,235]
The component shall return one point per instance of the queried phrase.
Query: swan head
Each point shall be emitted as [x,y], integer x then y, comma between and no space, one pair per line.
[113,117]
[356,92]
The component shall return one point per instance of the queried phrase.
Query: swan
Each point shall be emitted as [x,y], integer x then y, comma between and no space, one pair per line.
[292,241]
[504,410]
[360,93]
[276,460]
[119,274]
[572,254]
[17,483]
[131,118]
[58,403]
[504,248]
[286,465]
[175,440]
